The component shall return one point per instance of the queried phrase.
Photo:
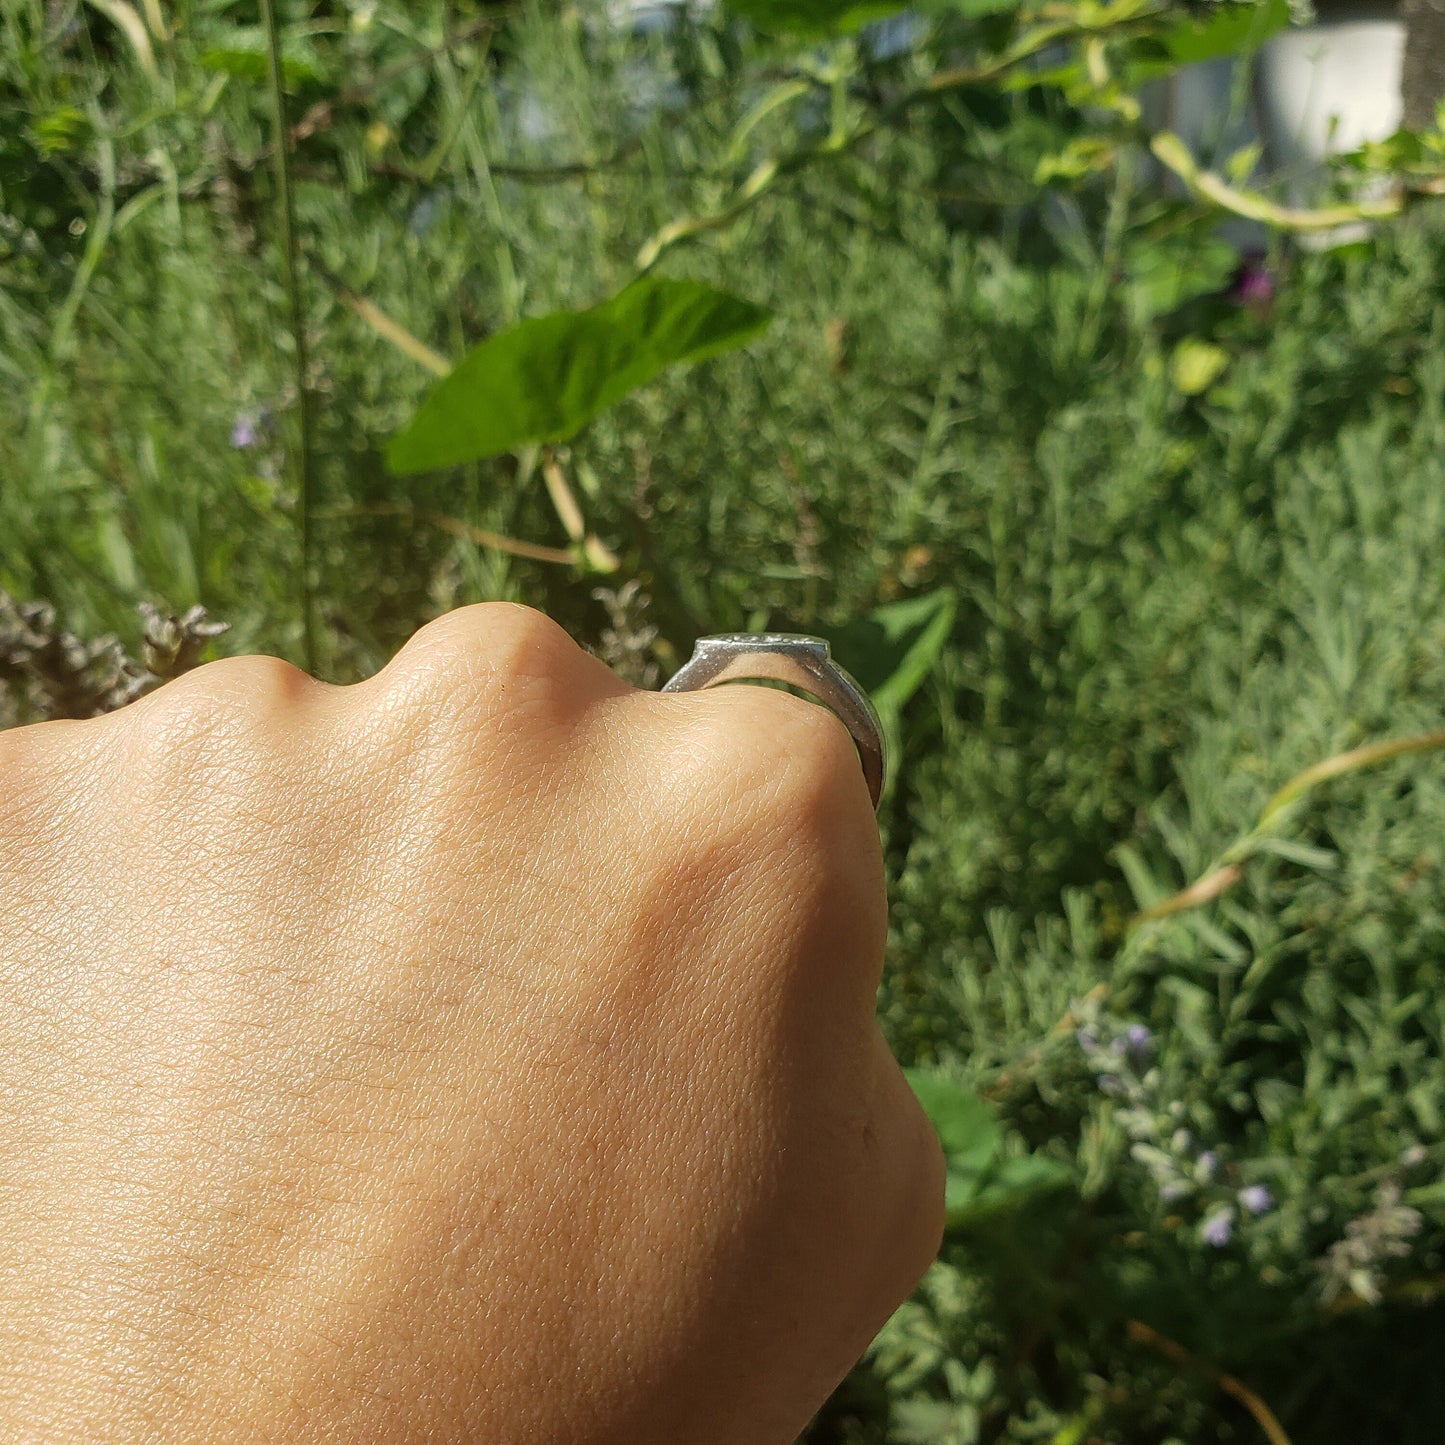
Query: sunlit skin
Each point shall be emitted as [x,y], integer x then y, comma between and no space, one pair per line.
[482,1052]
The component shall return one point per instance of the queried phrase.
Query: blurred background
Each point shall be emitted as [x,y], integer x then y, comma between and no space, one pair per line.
[1076,366]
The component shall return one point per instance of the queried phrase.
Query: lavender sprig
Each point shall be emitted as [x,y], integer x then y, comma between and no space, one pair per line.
[49,672]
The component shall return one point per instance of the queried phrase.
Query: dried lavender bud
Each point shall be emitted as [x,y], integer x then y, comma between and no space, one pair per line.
[627,645]
[1355,1264]
[172,645]
[63,677]
[52,673]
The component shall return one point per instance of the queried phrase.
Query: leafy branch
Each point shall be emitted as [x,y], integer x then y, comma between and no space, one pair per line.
[1091,24]
[1174,155]
[1088,21]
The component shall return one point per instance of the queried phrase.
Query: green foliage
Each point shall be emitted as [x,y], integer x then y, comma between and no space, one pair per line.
[813,18]
[982,1180]
[543,380]
[1109,608]
[892,650]
[1210,33]
[244,57]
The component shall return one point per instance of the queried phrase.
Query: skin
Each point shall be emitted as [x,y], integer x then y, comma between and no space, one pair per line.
[483,1052]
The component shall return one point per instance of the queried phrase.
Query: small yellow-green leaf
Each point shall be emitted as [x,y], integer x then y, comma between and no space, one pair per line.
[1240,166]
[1076,160]
[1196,365]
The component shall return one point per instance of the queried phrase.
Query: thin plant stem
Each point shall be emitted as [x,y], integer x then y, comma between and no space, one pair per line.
[305,469]
[1228,869]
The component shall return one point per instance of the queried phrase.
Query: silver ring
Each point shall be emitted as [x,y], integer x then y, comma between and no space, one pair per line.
[802,661]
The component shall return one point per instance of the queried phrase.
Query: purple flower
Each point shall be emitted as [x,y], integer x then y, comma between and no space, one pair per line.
[1218,1228]
[1174,1189]
[1087,1039]
[1252,286]
[1207,1165]
[1137,1042]
[1257,1199]
[244,433]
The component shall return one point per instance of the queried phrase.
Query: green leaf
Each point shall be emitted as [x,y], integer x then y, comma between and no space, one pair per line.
[969,9]
[1011,1184]
[814,18]
[1220,30]
[1163,277]
[1081,157]
[892,649]
[1145,887]
[967,1128]
[1226,30]
[244,56]
[1305,854]
[62,129]
[979,1183]
[545,378]
[1196,365]
[1187,262]
[1241,165]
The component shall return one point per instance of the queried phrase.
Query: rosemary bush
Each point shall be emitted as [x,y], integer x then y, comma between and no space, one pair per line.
[1172,591]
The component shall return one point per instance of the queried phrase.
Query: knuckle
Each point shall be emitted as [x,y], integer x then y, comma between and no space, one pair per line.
[525,646]
[497,632]
[493,659]
[208,722]
[226,695]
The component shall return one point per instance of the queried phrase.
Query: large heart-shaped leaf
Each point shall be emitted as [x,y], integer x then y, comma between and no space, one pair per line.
[545,378]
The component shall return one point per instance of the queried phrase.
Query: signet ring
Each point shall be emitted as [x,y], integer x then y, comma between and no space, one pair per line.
[800,661]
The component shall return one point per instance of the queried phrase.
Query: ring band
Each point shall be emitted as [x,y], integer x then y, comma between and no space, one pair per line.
[801,661]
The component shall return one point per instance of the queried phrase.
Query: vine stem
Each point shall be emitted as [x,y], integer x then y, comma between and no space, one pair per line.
[1134,15]
[305,468]
[1228,869]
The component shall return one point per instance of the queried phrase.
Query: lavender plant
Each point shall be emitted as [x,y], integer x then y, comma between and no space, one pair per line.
[48,672]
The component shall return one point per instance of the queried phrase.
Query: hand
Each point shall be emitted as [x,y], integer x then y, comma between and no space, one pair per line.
[483,1052]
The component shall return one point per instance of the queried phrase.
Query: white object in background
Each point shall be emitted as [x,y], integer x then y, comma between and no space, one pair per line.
[1327,89]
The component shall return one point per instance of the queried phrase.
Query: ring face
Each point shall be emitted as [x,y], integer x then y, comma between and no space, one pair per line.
[803,662]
